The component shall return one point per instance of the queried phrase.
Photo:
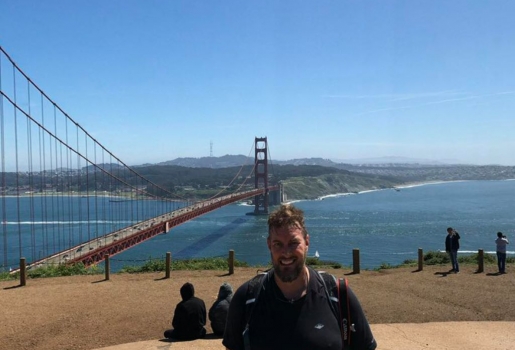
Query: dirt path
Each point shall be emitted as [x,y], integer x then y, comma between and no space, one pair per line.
[85,312]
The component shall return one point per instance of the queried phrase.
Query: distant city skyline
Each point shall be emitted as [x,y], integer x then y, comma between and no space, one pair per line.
[343,80]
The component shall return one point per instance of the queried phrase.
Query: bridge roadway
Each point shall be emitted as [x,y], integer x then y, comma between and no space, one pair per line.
[95,250]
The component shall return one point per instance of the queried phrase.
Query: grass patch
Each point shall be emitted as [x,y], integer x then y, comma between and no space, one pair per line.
[316,263]
[158,265]
[221,263]
[442,258]
[385,266]
[54,271]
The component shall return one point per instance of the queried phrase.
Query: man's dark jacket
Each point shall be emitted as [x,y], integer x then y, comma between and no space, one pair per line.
[452,242]
[189,318]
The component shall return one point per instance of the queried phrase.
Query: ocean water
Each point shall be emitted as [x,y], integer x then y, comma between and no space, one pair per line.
[388,226]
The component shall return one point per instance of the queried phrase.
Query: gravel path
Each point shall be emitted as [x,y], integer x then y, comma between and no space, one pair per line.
[85,312]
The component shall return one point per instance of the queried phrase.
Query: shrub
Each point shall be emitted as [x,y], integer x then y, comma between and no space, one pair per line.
[385,266]
[317,263]
[436,258]
[61,270]
[156,265]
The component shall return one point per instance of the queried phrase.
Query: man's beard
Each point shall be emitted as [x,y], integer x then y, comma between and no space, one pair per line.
[289,275]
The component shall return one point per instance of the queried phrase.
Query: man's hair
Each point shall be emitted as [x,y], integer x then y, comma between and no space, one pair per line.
[287,216]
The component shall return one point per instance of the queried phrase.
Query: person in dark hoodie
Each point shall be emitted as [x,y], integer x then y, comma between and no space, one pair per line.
[189,317]
[218,312]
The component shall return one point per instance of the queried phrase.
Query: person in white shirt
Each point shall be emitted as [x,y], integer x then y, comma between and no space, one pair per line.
[501,243]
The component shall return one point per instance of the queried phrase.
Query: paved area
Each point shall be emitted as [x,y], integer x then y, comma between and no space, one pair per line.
[395,336]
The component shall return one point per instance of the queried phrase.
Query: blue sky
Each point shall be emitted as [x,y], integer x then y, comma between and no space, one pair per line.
[157,80]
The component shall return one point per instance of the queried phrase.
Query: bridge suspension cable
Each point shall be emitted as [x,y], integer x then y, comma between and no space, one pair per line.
[62,190]
[236,177]
[48,161]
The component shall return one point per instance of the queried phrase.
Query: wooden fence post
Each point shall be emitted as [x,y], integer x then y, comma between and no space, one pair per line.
[231,262]
[355,260]
[108,267]
[480,260]
[168,264]
[23,272]
[420,259]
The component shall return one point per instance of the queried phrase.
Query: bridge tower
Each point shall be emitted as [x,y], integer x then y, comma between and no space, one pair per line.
[261,175]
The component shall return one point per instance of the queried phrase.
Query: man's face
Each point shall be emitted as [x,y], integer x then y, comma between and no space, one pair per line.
[288,250]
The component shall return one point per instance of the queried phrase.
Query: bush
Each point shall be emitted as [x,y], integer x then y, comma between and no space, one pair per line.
[317,263]
[6,276]
[61,270]
[158,265]
[385,266]
[442,258]
[436,258]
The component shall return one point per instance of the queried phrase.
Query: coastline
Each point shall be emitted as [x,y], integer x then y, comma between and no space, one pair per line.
[410,185]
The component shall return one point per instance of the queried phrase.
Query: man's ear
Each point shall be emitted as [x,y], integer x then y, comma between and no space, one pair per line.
[269,243]
[307,240]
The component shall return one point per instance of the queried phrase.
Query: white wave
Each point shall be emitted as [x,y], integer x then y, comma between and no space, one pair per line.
[418,184]
[295,201]
[335,195]
[509,252]
[368,191]
[493,252]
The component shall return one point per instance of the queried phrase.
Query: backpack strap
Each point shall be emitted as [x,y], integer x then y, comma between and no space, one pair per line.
[254,287]
[336,292]
[344,307]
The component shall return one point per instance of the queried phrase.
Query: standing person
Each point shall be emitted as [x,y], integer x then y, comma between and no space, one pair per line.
[189,317]
[218,312]
[501,243]
[292,309]
[452,244]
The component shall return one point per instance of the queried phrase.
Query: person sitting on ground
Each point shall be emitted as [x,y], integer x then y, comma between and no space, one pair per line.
[189,317]
[218,312]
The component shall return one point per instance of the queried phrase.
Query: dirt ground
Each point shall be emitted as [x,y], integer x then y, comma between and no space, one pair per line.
[86,312]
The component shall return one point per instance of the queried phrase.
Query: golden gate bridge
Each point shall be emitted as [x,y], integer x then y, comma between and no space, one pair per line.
[58,184]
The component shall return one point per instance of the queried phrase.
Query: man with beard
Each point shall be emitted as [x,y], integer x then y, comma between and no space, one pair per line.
[292,309]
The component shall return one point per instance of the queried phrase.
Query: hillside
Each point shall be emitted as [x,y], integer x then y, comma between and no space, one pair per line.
[314,187]
[403,169]
[197,178]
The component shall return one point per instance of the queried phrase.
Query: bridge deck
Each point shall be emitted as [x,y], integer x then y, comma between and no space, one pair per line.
[95,250]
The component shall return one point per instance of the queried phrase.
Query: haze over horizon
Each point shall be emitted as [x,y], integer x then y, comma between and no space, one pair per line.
[154,81]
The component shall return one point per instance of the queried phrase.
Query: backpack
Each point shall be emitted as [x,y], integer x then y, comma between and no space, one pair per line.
[335,289]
